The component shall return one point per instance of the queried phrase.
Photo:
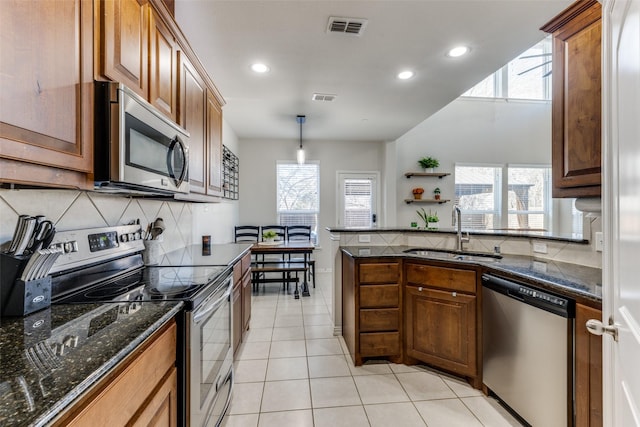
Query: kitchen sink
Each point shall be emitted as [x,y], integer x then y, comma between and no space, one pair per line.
[455,255]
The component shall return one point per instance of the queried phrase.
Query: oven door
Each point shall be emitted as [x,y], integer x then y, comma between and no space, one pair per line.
[211,358]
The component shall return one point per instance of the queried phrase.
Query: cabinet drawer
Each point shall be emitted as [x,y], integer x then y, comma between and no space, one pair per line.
[388,272]
[440,277]
[379,320]
[379,296]
[246,263]
[379,344]
[237,272]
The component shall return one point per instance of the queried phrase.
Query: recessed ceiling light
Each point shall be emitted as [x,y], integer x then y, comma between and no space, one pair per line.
[259,68]
[404,75]
[458,51]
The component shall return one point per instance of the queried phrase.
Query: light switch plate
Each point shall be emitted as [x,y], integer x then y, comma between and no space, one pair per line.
[364,238]
[540,247]
[599,241]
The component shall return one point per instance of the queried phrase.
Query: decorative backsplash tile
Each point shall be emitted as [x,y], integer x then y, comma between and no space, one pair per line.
[72,210]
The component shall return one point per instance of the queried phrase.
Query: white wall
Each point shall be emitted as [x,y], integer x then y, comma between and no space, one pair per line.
[258,178]
[218,219]
[470,131]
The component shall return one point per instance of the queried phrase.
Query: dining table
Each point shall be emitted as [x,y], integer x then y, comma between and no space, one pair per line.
[287,249]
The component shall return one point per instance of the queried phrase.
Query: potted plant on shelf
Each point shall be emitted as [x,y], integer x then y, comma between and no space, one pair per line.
[430,220]
[436,193]
[428,163]
[417,193]
[269,236]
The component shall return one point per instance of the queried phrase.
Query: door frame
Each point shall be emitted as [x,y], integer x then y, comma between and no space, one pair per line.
[340,176]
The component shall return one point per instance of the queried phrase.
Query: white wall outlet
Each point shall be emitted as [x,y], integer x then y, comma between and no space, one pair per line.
[540,247]
[599,241]
[364,238]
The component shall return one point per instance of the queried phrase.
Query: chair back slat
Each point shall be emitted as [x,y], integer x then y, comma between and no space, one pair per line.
[299,232]
[280,230]
[247,233]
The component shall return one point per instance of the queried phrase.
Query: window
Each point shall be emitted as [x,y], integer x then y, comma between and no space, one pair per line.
[478,195]
[526,77]
[527,206]
[298,195]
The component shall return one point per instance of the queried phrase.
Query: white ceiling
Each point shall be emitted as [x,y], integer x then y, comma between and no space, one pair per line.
[372,104]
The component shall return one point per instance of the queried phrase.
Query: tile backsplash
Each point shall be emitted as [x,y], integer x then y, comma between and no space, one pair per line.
[72,210]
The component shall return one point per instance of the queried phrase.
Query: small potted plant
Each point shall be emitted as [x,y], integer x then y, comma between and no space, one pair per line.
[428,163]
[269,236]
[432,221]
[417,193]
[436,193]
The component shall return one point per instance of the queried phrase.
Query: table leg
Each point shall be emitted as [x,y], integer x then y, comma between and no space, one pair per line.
[305,284]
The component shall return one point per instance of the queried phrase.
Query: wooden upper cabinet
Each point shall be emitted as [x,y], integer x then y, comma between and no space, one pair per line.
[193,95]
[125,43]
[46,92]
[162,67]
[214,144]
[576,105]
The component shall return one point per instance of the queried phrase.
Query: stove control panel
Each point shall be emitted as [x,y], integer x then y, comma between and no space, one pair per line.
[103,241]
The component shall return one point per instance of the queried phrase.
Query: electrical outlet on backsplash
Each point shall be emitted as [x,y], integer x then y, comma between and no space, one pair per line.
[71,210]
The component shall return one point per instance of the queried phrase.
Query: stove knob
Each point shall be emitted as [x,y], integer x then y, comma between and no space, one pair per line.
[124,238]
[137,236]
[132,237]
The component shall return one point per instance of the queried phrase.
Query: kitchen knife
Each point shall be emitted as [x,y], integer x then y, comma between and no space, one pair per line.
[29,228]
[17,233]
[50,259]
[28,269]
[34,236]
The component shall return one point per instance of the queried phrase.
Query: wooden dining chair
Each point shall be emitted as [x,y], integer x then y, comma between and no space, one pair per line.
[302,233]
[247,233]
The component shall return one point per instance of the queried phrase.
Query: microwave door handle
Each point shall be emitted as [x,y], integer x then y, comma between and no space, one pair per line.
[172,147]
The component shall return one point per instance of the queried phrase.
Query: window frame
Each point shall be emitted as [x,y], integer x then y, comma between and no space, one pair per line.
[315,212]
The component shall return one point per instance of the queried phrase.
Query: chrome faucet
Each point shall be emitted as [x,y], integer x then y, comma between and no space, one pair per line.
[456,220]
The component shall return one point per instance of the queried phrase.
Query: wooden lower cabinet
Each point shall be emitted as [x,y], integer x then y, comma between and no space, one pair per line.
[236,328]
[588,370]
[441,330]
[241,300]
[372,308]
[141,391]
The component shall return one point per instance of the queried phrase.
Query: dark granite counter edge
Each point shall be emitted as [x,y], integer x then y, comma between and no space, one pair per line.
[58,409]
[488,233]
[579,295]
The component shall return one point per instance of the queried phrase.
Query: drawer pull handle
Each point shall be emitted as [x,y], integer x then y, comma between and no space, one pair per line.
[420,288]
[454,294]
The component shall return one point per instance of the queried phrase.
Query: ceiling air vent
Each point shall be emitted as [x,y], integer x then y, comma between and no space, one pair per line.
[326,97]
[353,26]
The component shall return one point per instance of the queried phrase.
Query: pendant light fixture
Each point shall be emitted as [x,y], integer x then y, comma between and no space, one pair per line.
[300,156]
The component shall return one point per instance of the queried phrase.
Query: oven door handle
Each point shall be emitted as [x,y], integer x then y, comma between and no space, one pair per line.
[209,307]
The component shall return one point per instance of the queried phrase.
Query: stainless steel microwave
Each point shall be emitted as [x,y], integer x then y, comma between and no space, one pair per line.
[137,149]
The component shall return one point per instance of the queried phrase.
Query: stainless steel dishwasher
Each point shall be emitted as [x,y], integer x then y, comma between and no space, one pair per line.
[528,350]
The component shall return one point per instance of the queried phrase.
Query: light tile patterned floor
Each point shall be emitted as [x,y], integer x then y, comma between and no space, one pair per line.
[292,371]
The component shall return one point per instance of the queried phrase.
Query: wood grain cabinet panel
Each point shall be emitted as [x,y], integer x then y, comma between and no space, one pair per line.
[383,272]
[379,344]
[379,296]
[46,92]
[441,329]
[125,43]
[440,277]
[213,142]
[143,389]
[192,117]
[576,104]
[237,316]
[377,320]
[163,67]
[588,381]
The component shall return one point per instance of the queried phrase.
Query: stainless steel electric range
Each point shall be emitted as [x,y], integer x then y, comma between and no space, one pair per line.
[104,265]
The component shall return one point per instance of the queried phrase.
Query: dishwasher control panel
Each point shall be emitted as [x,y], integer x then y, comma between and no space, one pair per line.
[551,299]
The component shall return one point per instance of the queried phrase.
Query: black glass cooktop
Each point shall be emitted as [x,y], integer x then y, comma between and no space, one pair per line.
[189,284]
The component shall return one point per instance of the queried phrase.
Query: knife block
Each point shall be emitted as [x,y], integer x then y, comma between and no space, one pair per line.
[17,297]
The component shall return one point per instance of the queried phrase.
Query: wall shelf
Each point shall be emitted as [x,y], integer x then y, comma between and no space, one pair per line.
[441,201]
[434,174]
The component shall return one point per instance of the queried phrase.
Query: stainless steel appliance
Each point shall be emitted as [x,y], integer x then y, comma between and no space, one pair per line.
[105,265]
[527,350]
[136,147]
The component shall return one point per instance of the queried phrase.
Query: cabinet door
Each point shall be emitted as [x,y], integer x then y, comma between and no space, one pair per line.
[162,67]
[441,329]
[576,108]
[214,145]
[192,118]
[46,92]
[588,370]
[246,301]
[162,409]
[125,41]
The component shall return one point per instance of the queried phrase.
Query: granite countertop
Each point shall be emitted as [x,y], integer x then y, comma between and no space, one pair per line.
[37,382]
[573,238]
[576,281]
[219,254]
